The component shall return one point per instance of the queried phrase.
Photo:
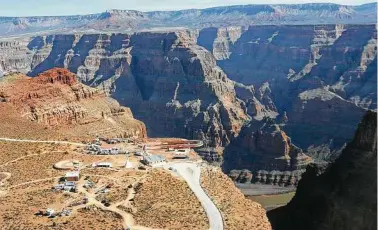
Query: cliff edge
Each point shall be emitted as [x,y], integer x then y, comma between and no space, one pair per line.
[343,196]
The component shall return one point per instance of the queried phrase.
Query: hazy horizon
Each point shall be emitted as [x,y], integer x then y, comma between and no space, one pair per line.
[21,8]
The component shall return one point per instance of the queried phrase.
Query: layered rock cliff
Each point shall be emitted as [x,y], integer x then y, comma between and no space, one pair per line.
[315,80]
[342,196]
[263,153]
[55,99]
[237,15]
[319,79]
[168,81]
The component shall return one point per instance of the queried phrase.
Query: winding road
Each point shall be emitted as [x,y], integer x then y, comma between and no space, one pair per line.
[191,172]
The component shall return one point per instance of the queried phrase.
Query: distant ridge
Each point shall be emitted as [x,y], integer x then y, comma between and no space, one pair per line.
[237,15]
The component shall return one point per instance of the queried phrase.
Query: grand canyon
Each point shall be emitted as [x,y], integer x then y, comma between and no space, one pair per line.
[266,100]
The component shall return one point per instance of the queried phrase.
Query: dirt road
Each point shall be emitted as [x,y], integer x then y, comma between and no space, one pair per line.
[37,141]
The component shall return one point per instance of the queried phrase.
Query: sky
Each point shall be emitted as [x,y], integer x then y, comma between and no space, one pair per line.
[72,7]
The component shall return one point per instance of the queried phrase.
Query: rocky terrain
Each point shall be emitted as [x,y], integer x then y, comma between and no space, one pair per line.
[263,153]
[237,211]
[56,100]
[269,146]
[342,196]
[316,82]
[176,207]
[165,74]
[240,15]
[54,105]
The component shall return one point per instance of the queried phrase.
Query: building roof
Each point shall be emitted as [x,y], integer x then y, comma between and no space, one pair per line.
[73,174]
[104,163]
[153,158]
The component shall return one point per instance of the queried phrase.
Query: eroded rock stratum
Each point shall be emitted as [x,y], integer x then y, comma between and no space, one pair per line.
[315,81]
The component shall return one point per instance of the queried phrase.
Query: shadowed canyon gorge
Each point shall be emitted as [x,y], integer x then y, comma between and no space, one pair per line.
[274,92]
[316,82]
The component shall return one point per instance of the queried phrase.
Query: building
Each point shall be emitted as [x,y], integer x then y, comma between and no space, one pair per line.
[103,165]
[182,151]
[128,165]
[153,160]
[179,156]
[69,186]
[50,212]
[110,151]
[72,176]
[139,153]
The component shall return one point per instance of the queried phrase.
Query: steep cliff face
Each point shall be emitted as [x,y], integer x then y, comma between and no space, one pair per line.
[343,196]
[321,78]
[55,99]
[317,80]
[263,149]
[179,82]
[168,81]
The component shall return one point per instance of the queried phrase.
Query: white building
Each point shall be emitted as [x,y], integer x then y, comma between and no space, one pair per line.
[50,212]
[110,151]
[72,176]
[182,151]
[153,160]
[128,165]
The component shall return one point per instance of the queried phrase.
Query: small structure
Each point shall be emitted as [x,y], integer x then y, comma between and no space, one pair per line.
[103,165]
[180,156]
[66,212]
[139,153]
[110,151]
[182,151]
[72,176]
[153,160]
[128,164]
[66,186]
[76,164]
[50,212]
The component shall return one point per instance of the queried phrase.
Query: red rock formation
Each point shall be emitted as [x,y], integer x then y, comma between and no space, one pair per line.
[57,75]
[56,99]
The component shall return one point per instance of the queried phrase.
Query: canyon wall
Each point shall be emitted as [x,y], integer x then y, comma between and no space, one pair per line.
[342,196]
[167,80]
[321,78]
[316,82]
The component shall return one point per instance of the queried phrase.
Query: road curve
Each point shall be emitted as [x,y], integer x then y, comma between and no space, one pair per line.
[191,172]
[37,141]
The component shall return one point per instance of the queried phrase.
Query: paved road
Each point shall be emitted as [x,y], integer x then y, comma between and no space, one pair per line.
[191,173]
[36,141]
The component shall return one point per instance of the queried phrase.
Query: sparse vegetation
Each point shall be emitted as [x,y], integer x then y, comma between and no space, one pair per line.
[164,201]
[237,211]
